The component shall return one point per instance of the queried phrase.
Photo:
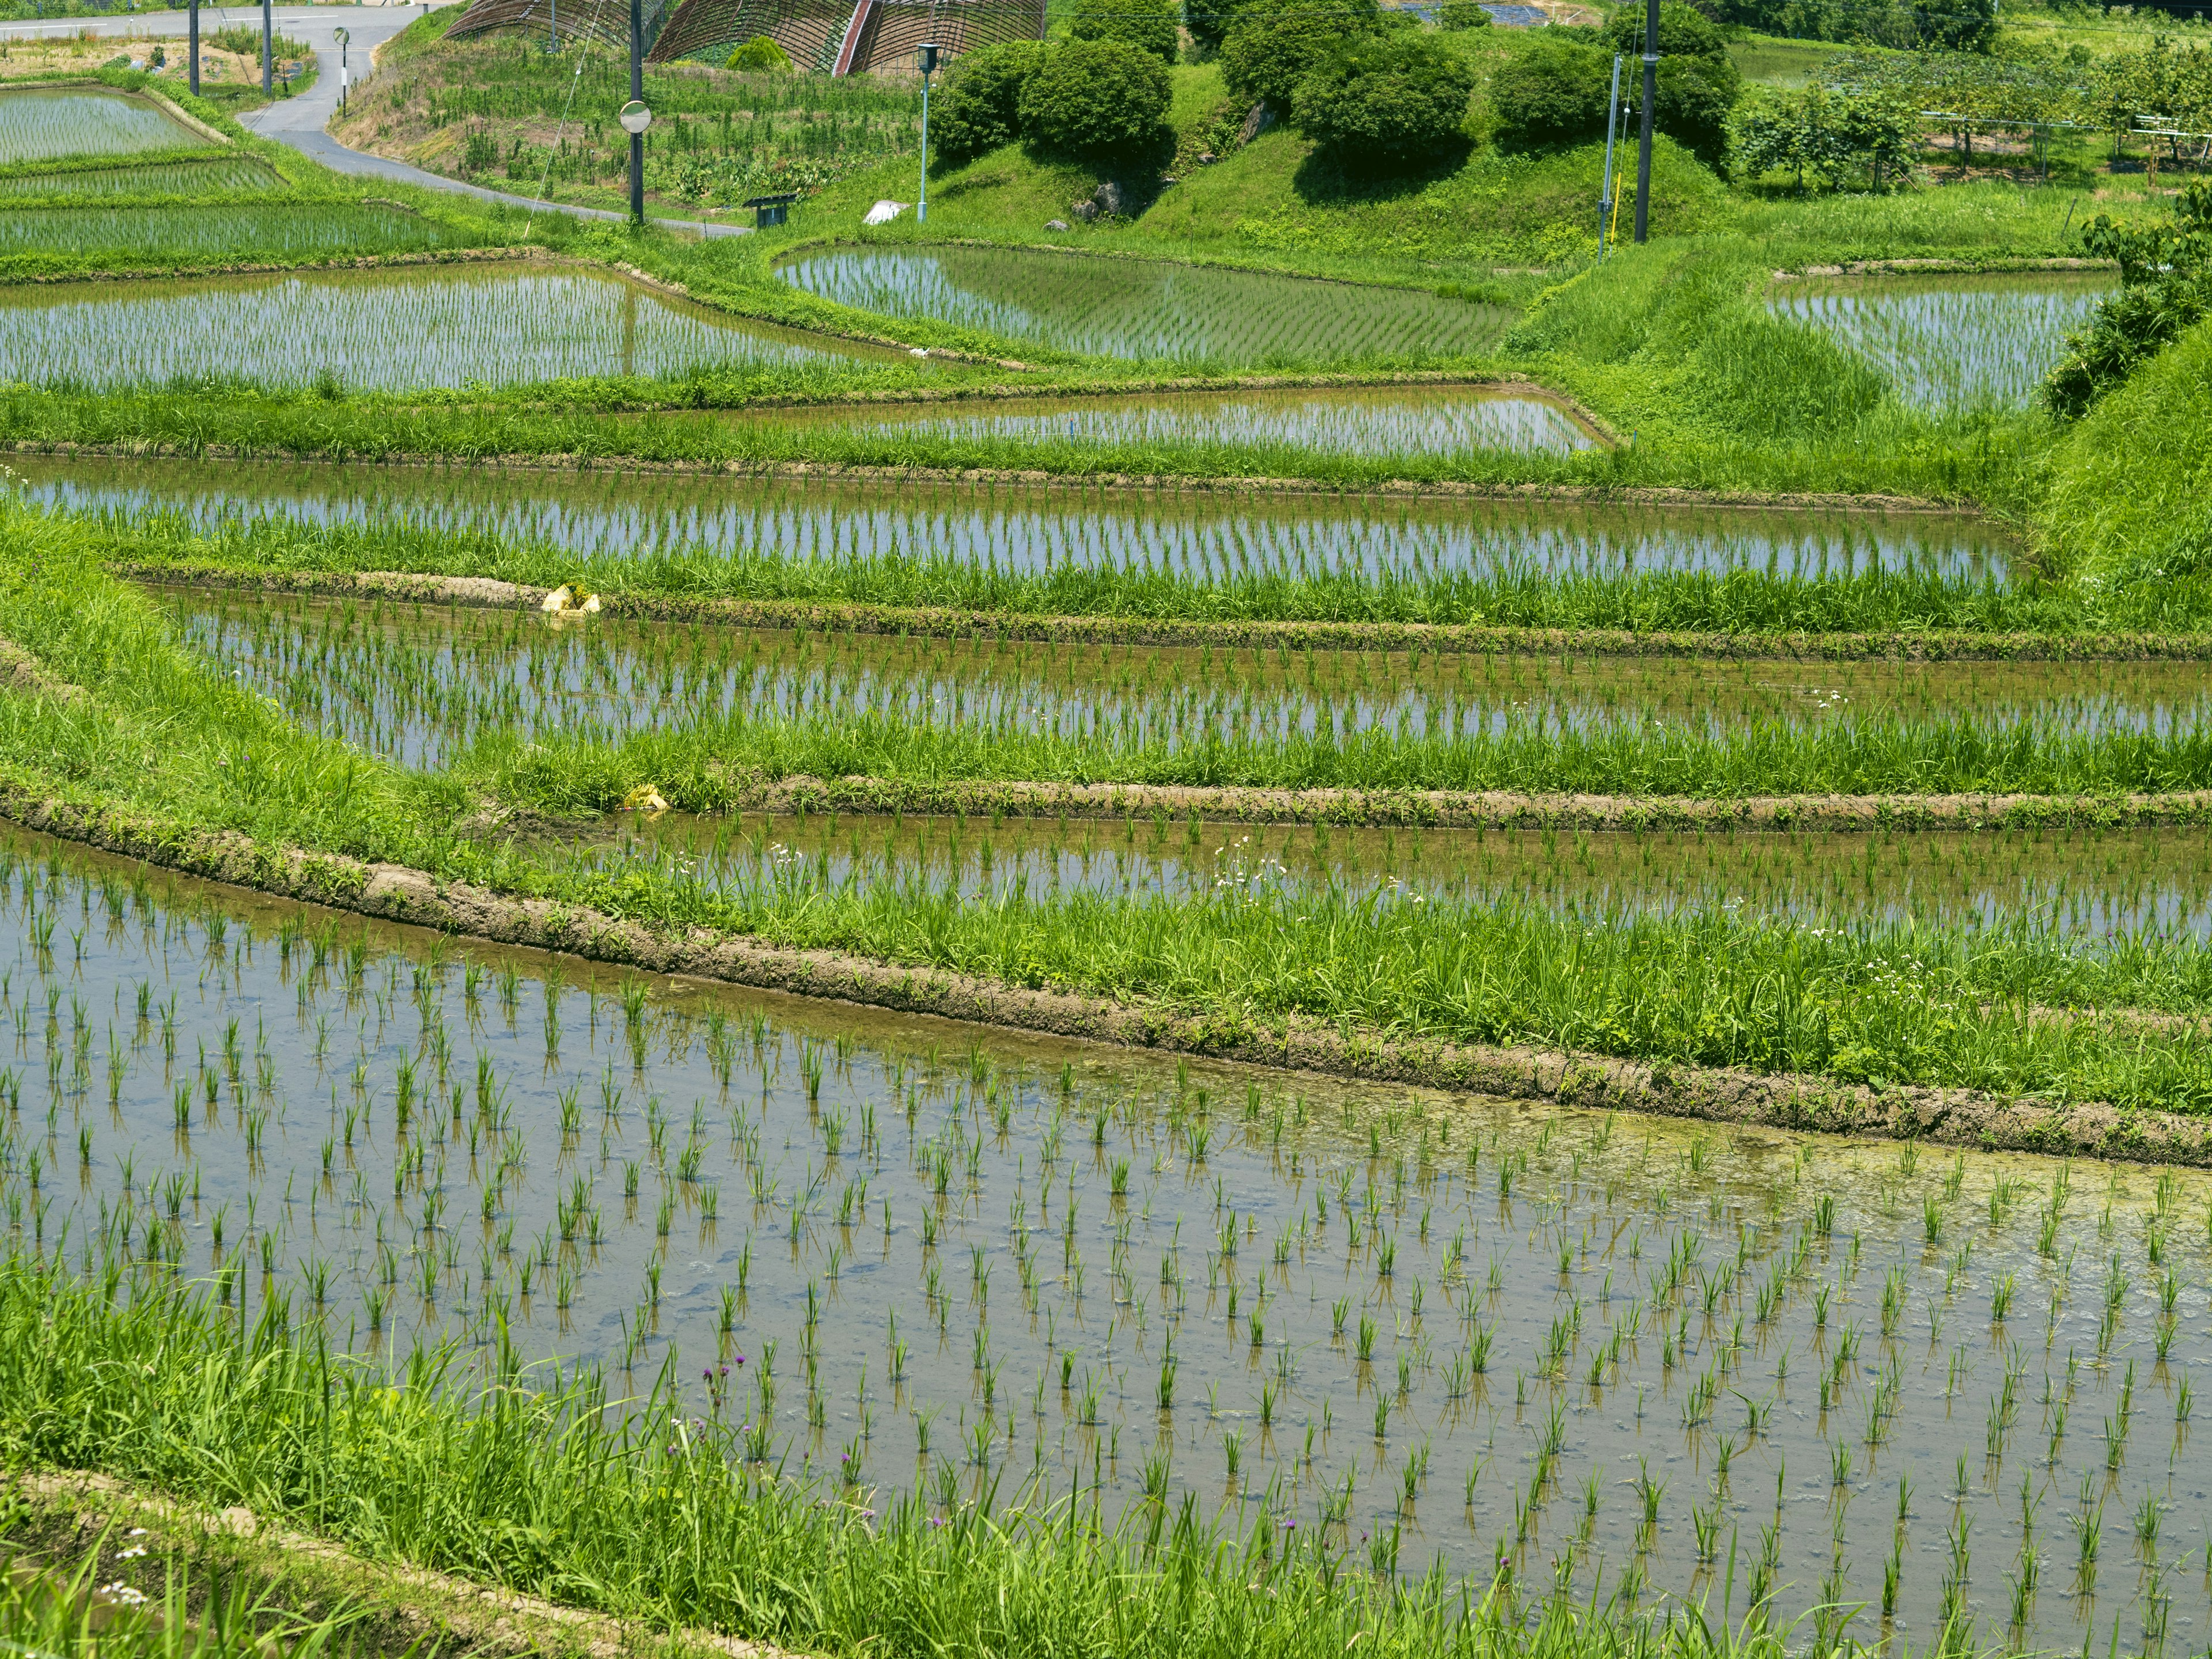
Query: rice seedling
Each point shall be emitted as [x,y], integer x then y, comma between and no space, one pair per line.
[58,238]
[213,175]
[1952,343]
[41,123]
[1152,311]
[365,330]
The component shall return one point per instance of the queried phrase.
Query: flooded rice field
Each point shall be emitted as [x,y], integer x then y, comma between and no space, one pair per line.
[1021,530]
[43,124]
[2090,885]
[1149,309]
[421,684]
[1951,341]
[1614,1355]
[1420,422]
[376,331]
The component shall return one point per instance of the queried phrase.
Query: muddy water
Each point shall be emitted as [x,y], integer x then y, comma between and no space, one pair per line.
[1020,530]
[1616,1354]
[421,683]
[2083,884]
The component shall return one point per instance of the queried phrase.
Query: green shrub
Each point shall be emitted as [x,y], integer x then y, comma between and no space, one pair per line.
[1838,137]
[2166,290]
[1554,91]
[759,54]
[1698,85]
[1267,53]
[1956,25]
[1101,101]
[980,106]
[1386,100]
[1151,24]
[1456,14]
[1208,22]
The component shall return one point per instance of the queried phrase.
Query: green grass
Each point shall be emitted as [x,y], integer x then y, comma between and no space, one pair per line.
[51,242]
[47,123]
[544,1483]
[219,175]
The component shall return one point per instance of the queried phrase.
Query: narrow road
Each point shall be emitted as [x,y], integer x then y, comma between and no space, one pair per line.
[299,121]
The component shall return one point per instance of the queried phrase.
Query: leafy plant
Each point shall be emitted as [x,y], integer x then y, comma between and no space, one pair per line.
[1150,24]
[759,55]
[980,108]
[1386,100]
[1101,101]
[1266,51]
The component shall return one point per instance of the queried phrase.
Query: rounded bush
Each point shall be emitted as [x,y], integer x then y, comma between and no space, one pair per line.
[1552,92]
[1457,15]
[1102,101]
[1386,101]
[759,54]
[1683,31]
[978,107]
[1151,24]
[1208,21]
[1266,53]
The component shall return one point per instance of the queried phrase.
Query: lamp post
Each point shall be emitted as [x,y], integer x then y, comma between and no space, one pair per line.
[635,118]
[1650,97]
[1611,123]
[193,44]
[925,59]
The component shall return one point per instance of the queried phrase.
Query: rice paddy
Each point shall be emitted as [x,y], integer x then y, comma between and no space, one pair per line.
[1152,311]
[371,329]
[217,173]
[246,232]
[1430,423]
[424,686]
[1951,343]
[824,539]
[43,124]
[1884,1389]
[2080,885]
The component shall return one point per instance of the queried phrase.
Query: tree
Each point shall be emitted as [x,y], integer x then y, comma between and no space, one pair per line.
[1837,136]
[980,108]
[1208,22]
[1956,25]
[1552,92]
[1385,99]
[1267,53]
[1457,15]
[1101,101]
[2165,289]
[1683,31]
[757,54]
[1151,24]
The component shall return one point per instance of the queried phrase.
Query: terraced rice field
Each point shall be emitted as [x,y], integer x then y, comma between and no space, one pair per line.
[221,173]
[1152,310]
[1889,1386]
[1431,423]
[40,123]
[770,531]
[249,232]
[2086,885]
[372,330]
[422,684]
[1951,343]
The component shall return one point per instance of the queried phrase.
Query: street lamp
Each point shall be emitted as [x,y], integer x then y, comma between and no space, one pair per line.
[635,117]
[925,59]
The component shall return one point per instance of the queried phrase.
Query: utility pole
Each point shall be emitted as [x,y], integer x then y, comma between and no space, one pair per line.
[1650,97]
[192,37]
[268,71]
[637,97]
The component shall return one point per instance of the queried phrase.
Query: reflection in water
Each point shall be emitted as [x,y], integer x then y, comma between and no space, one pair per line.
[1613,1351]
[1021,530]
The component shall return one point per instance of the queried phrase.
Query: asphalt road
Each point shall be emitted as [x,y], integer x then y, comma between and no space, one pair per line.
[299,121]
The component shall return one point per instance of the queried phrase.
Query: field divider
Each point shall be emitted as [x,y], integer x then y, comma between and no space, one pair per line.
[1294,1042]
[65,1511]
[933,622]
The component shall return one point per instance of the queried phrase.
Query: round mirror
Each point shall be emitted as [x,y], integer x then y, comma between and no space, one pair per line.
[635,117]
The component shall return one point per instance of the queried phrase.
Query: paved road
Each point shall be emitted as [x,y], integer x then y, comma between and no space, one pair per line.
[300,122]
